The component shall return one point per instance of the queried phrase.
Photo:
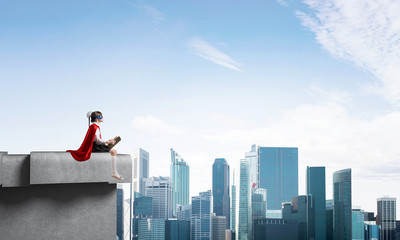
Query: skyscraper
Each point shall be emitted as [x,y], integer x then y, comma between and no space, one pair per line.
[177,230]
[278,173]
[200,222]
[302,209]
[218,227]
[120,214]
[244,227]
[179,172]
[258,203]
[160,189]
[252,159]
[342,214]
[234,206]
[357,224]
[151,229]
[386,217]
[221,196]
[316,188]
[140,170]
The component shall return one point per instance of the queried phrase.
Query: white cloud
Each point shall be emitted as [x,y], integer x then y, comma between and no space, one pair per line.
[327,134]
[366,33]
[205,50]
[156,15]
[155,126]
[283,3]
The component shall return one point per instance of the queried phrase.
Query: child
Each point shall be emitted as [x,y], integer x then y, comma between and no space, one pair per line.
[94,143]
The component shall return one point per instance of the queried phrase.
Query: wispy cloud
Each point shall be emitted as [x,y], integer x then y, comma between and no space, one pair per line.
[203,49]
[156,15]
[366,33]
[155,126]
[283,3]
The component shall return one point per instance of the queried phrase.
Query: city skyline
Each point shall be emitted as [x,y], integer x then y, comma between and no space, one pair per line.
[210,79]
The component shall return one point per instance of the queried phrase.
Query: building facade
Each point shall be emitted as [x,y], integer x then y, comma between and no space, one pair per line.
[244,227]
[357,224]
[258,203]
[234,206]
[151,229]
[316,187]
[200,223]
[177,230]
[184,212]
[275,229]
[218,227]
[252,159]
[120,214]
[220,190]
[302,209]
[278,173]
[386,217]
[179,172]
[160,189]
[140,169]
[342,213]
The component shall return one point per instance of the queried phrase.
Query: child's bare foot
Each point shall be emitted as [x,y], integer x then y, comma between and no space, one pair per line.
[117,177]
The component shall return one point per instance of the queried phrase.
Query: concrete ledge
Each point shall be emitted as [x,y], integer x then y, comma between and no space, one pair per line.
[15,170]
[61,167]
[1,163]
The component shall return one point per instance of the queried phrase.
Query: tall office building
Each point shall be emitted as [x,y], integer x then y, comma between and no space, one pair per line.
[177,230]
[244,227]
[160,189]
[234,206]
[342,214]
[316,187]
[357,224]
[302,209]
[275,229]
[258,203]
[120,214]
[142,209]
[221,196]
[252,159]
[140,170]
[179,172]
[200,222]
[184,212]
[329,219]
[218,227]
[151,229]
[386,217]
[278,173]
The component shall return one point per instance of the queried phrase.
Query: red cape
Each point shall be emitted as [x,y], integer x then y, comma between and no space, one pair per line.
[85,151]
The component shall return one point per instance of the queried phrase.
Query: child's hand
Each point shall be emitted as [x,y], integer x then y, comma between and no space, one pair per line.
[111,141]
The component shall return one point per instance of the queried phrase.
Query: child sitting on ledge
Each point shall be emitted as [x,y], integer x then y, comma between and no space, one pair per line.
[94,143]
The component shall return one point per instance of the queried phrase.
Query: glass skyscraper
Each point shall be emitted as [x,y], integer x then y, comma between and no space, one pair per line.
[342,213]
[177,230]
[220,190]
[179,171]
[302,209]
[278,173]
[140,170]
[252,159]
[160,189]
[316,188]
[258,203]
[200,222]
[234,205]
[386,217]
[244,227]
[357,224]
[120,214]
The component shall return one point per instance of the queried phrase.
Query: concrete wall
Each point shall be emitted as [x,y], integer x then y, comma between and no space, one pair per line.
[58,211]
[49,195]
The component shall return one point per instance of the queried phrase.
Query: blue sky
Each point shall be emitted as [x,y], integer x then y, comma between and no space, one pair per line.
[209,78]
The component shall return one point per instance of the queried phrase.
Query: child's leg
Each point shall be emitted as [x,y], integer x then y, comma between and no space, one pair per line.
[114,163]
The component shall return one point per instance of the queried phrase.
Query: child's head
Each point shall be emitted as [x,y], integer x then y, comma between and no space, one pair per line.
[96,116]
